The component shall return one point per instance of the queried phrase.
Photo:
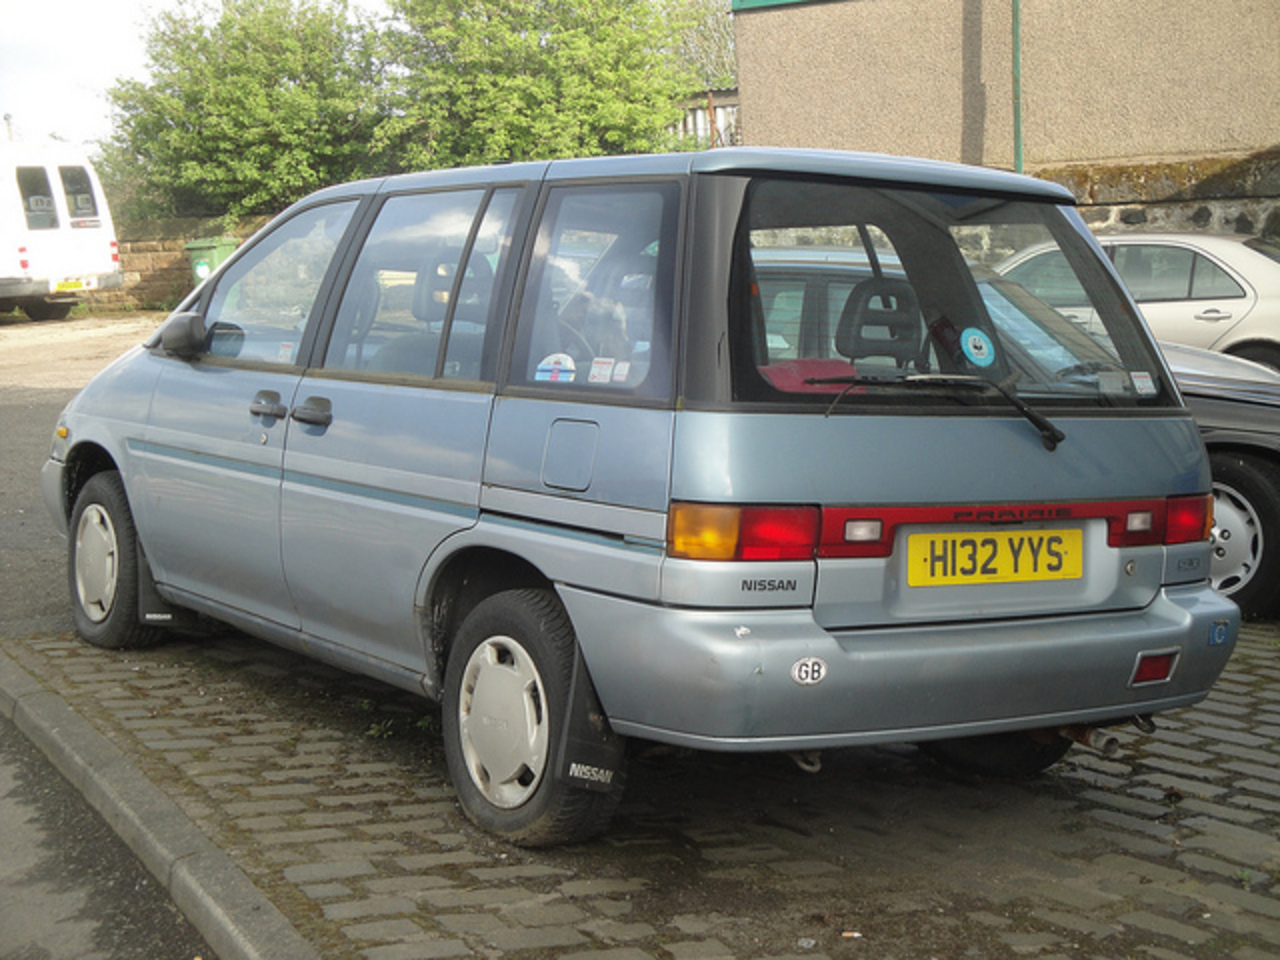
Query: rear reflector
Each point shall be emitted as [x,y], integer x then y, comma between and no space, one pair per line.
[1154,667]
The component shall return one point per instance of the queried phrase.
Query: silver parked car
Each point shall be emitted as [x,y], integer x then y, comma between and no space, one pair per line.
[1217,292]
[565,447]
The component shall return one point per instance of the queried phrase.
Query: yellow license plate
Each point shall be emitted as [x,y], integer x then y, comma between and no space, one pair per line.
[66,285]
[1005,556]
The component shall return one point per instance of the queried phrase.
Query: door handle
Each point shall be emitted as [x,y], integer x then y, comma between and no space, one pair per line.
[1213,314]
[266,403]
[317,411]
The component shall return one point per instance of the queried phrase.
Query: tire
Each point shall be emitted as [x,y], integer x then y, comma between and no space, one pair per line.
[44,310]
[1008,756]
[1245,564]
[102,567]
[1263,353]
[506,696]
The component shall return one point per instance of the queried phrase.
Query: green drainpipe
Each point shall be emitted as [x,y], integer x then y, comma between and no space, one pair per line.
[1017,85]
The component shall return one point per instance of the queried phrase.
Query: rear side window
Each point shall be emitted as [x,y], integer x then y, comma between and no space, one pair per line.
[421,294]
[81,202]
[596,311]
[37,198]
[1155,272]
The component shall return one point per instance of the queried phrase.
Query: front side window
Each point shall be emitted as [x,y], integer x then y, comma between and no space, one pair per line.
[37,198]
[596,311]
[263,301]
[845,296]
[78,189]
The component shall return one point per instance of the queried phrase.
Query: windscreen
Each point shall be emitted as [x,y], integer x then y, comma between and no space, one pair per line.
[869,295]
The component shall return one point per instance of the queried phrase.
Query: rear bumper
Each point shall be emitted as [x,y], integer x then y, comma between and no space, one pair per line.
[723,680]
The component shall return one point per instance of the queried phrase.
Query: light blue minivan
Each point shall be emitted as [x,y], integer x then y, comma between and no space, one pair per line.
[739,450]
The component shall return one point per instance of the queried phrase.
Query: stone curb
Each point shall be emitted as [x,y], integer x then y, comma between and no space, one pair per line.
[233,916]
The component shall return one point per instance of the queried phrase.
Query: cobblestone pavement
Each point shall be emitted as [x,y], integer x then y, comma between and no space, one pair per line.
[329,792]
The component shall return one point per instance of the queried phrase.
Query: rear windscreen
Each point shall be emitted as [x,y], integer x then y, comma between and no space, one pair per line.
[81,202]
[873,295]
[37,198]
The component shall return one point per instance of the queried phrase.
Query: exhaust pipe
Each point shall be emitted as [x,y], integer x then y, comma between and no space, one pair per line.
[1094,738]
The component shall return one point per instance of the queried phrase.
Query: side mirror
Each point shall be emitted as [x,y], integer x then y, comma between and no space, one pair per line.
[183,335]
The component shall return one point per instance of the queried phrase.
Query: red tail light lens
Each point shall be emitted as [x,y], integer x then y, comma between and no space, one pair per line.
[1190,519]
[698,531]
[115,252]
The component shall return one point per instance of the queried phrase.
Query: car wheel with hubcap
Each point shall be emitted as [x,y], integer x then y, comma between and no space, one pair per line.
[1245,563]
[1011,756]
[505,704]
[102,567]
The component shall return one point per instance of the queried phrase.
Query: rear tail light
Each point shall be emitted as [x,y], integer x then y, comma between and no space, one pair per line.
[725,532]
[115,252]
[698,531]
[23,262]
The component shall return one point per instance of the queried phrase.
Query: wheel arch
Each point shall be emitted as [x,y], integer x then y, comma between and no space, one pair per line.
[1251,348]
[83,461]
[461,581]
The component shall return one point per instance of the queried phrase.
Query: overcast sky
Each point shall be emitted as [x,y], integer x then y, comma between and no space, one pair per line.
[59,57]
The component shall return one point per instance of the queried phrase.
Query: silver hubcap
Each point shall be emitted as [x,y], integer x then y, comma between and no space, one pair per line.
[97,563]
[1236,540]
[502,722]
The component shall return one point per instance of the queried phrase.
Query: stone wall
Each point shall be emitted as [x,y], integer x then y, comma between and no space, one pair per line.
[156,265]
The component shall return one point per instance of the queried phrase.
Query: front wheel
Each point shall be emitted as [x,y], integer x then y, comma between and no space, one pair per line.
[1013,756]
[506,701]
[102,567]
[1245,563]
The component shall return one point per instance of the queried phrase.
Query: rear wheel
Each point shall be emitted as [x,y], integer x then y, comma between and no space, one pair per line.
[506,697]
[1245,563]
[46,310]
[102,567]
[1012,756]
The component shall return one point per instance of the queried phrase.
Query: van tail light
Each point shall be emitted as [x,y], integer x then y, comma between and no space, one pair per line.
[1190,519]
[697,531]
[115,252]
[23,262]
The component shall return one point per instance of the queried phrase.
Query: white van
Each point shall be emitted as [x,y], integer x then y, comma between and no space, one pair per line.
[57,241]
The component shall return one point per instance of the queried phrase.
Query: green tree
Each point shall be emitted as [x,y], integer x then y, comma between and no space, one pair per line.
[492,80]
[249,106]
[702,40]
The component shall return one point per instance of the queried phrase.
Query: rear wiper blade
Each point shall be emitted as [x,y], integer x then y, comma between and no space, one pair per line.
[1050,435]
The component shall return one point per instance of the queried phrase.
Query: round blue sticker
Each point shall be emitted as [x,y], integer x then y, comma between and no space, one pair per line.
[977,346]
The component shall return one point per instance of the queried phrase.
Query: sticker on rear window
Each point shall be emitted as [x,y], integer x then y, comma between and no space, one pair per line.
[977,346]
[1144,384]
[556,368]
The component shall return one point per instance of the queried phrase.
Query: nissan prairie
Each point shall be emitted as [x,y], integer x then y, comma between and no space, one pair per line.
[743,450]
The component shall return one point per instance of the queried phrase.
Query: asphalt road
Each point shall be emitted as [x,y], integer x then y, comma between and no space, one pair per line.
[69,888]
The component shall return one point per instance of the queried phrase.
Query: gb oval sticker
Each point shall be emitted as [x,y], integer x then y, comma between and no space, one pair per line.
[809,671]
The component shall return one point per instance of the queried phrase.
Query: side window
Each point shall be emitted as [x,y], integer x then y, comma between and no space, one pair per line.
[1048,277]
[263,301]
[1153,272]
[1211,282]
[79,192]
[37,198]
[410,294]
[596,311]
